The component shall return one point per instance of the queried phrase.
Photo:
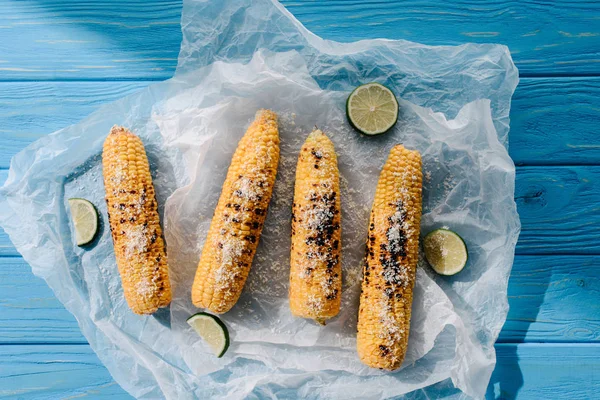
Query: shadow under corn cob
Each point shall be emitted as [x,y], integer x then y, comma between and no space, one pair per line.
[315,265]
[238,220]
[134,222]
[390,266]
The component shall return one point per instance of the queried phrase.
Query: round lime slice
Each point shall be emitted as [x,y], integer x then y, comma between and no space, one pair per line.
[445,251]
[212,330]
[85,220]
[372,109]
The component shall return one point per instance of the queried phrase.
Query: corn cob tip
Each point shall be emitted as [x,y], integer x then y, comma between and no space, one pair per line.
[265,114]
[397,149]
[116,129]
[316,133]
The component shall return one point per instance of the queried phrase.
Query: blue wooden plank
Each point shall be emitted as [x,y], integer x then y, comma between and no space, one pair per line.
[29,312]
[31,110]
[546,371]
[559,209]
[66,39]
[540,132]
[6,246]
[552,299]
[135,39]
[550,122]
[524,371]
[555,297]
[55,372]
[545,38]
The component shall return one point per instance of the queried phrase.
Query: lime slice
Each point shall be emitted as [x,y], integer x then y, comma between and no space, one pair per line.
[212,330]
[372,109]
[85,220]
[445,251]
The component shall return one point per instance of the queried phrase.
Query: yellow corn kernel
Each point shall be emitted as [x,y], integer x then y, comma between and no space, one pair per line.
[134,222]
[390,265]
[316,272]
[239,217]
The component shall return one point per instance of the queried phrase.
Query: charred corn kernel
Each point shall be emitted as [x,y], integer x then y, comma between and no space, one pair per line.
[239,217]
[134,222]
[390,265]
[316,272]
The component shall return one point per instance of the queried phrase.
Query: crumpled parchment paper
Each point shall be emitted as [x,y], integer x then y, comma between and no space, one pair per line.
[237,57]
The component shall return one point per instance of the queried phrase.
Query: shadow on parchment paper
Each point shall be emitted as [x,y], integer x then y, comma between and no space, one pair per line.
[164,180]
[507,379]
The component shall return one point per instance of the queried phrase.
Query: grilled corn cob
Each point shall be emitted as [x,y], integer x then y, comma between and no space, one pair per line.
[316,273]
[239,217]
[390,266]
[134,222]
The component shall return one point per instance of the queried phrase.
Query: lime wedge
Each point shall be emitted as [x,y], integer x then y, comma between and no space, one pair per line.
[372,109]
[445,251]
[212,330]
[85,220]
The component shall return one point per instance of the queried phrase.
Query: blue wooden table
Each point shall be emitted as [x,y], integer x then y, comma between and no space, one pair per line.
[61,59]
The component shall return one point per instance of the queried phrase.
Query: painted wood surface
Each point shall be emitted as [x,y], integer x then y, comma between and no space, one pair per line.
[551,298]
[31,110]
[136,39]
[540,133]
[55,372]
[70,56]
[71,371]
[559,209]
[79,40]
[553,121]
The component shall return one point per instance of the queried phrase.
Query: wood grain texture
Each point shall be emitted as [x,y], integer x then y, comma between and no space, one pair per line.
[552,299]
[68,39]
[543,37]
[541,134]
[6,246]
[29,312]
[55,372]
[522,371]
[134,39]
[31,110]
[546,371]
[559,209]
[554,121]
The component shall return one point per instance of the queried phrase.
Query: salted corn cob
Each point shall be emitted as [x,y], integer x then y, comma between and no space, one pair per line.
[390,265]
[239,217]
[134,222]
[316,272]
